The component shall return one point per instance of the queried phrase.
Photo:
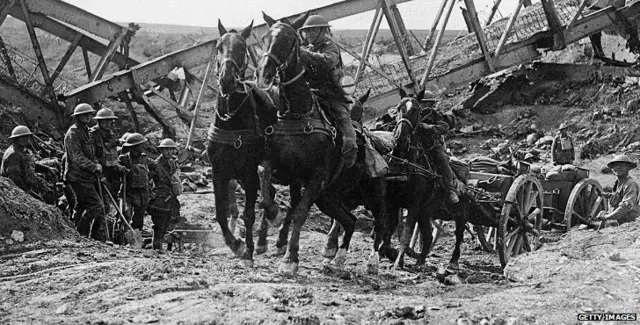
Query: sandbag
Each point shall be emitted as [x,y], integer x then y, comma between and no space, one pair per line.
[460,169]
[375,165]
[484,165]
[382,141]
[569,172]
[555,174]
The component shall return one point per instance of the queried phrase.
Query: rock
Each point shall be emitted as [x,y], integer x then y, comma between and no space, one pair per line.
[404,312]
[62,309]
[464,321]
[545,140]
[452,280]
[17,235]
[632,105]
[532,138]
[615,256]
[304,320]
[9,241]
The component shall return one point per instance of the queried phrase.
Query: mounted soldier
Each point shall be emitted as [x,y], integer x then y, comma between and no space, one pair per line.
[136,179]
[82,172]
[17,163]
[562,149]
[323,64]
[106,144]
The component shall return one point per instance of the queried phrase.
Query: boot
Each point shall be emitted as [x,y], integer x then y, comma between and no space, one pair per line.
[349,145]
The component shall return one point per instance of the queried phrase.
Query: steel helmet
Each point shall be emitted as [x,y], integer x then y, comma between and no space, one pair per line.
[105,114]
[529,155]
[124,137]
[20,131]
[563,126]
[622,159]
[315,21]
[83,108]
[134,139]
[167,143]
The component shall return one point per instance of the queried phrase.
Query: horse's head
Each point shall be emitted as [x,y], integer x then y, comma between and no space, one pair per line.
[357,108]
[407,114]
[282,47]
[231,59]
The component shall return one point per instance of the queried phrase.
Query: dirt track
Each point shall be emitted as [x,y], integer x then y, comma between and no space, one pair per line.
[89,283]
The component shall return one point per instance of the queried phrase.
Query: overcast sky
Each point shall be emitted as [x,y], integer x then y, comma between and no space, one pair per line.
[417,14]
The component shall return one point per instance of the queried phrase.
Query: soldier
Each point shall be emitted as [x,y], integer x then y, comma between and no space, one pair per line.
[624,199]
[106,144]
[136,185]
[167,183]
[562,151]
[432,130]
[82,173]
[323,65]
[17,164]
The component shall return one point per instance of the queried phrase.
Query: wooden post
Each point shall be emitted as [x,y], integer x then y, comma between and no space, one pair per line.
[87,63]
[127,101]
[108,54]
[434,50]
[4,10]
[396,37]
[402,29]
[368,43]
[66,57]
[482,38]
[432,32]
[7,59]
[200,93]
[38,51]
[494,9]
[505,34]
[577,14]
[554,24]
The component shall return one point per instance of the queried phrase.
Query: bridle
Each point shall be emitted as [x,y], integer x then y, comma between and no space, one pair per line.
[238,75]
[282,66]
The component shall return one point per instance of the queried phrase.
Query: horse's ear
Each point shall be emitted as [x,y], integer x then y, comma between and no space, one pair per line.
[270,21]
[364,97]
[221,28]
[300,20]
[420,95]
[247,31]
[402,93]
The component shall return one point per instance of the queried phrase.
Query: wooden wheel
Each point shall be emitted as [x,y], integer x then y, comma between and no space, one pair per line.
[488,238]
[520,219]
[585,201]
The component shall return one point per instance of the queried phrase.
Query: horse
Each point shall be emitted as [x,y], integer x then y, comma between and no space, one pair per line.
[236,145]
[304,148]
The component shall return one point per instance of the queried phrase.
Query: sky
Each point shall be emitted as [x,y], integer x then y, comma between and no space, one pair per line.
[417,14]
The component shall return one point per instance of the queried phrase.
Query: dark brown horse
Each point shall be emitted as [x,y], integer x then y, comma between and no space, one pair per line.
[236,144]
[305,150]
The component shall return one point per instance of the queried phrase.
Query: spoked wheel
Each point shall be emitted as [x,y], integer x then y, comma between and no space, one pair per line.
[520,219]
[488,238]
[585,201]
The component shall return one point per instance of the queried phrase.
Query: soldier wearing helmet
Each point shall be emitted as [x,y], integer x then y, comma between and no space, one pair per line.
[323,65]
[168,186]
[623,201]
[106,145]
[136,184]
[17,163]
[82,171]
[562,151]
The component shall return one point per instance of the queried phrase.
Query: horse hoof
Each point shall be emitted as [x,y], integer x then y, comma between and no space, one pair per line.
[260,249]
[329,252]
[240,250]
[288,268]
[246,263]
[373,264]
[340,258]
[280,251]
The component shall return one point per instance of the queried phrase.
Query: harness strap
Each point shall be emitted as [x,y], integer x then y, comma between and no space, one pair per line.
[304,126]
[236,138]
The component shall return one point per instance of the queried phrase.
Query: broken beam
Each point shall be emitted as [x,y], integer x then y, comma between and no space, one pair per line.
[505,34]
[434,50]
[393,26]
[107,56]
[66,57]
[477,28]
[7,59]
[36,109]
[183,114]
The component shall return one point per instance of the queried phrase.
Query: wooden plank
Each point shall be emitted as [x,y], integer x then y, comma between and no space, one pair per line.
[432,32]
[38,51]
[402,29]
[393,26]
[196,109]
[434,50]
[66,57]
[505,34]
[554,24]
[106,57]
[477,28]
[7,59]
[494,9]
[575,17]
[368,43]
[87,63]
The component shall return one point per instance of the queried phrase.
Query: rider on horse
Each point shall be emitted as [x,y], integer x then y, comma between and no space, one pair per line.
[323,64]
[435,127]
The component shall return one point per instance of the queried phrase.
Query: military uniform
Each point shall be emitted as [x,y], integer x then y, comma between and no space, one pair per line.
[165,204]
[80,172]
[137,186]
[19,166]
[562,150]
[624,201]
[106,144]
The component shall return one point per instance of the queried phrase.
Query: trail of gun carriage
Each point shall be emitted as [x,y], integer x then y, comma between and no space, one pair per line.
[289,172]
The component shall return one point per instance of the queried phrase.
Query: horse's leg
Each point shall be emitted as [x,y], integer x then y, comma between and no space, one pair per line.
[221,189]
[407,231]
[264,223]
[376,203]
[332,206]
[331,249]
[424,223]
[295,191]
[461,222]
[267,195]
[251,184]
[391,222]
[290,261]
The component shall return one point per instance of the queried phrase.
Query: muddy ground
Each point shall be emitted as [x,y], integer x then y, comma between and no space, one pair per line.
[81,282]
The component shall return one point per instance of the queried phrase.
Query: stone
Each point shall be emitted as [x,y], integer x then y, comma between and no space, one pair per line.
[62,309]
[17,235]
